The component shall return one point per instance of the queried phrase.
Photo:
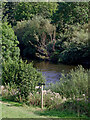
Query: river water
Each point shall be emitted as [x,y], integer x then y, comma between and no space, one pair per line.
[51,71]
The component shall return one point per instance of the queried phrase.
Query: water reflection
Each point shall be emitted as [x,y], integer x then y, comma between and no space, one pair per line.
[51,71]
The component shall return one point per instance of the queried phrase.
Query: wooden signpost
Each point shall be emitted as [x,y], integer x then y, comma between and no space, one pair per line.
[42,96]
[41,84]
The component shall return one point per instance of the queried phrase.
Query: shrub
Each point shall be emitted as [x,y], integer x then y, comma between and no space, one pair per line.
[72,45]
[50,47]
[14,71]
[81,108]
[23,75]
[73,85]
[10,51]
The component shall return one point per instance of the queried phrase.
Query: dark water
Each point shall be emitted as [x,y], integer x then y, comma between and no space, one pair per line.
[51,71]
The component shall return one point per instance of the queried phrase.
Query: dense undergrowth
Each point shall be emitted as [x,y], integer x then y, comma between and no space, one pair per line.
[70,94]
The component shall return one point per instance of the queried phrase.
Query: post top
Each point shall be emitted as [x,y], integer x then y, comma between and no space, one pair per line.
[41,84]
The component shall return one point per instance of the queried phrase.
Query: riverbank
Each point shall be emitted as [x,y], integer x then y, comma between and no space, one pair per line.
[84,62]
[52,71]
[62,99]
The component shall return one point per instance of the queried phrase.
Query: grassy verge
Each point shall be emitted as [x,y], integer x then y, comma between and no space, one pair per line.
[18,110]
[12,111]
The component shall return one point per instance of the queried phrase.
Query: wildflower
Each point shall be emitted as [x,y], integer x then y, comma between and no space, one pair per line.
[37,92]
[64,99]
[49,91]
[84,95]
[30,94]
[51,98]
[45,92]
[36,87]
[78,99]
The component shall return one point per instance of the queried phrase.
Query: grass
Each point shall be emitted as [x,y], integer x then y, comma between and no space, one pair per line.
[17,110]
[11,111]
[14,110]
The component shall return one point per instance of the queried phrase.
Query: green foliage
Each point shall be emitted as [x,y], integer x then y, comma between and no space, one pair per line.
[10,51]
[71,13]
[28,10]
[77,48]
[18,11]
[54,57]
[73,105]
[8,12]
[14,70]
[74,84]
[39,37]
[50,47]
[23,75]
[72,46]
[35,34]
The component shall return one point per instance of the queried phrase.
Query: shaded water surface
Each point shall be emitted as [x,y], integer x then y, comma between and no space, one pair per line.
[51,71]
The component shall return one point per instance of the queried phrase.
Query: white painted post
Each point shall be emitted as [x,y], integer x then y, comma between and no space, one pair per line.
[42,97]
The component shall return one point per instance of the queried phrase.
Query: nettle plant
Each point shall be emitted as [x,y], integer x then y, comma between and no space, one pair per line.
[75,84]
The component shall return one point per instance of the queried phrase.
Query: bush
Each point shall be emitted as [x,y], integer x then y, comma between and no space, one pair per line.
[72,45]
[10,51]
[73,85]
[74,53]
[81,108]
[23,75]
[14,71]
[50,47]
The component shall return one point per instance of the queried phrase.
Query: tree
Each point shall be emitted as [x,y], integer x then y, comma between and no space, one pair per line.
[72,47]
[8,12]
[36,33]
[70,13]
[18,11]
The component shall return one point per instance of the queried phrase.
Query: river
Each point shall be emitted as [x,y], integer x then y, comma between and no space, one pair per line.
[51,71]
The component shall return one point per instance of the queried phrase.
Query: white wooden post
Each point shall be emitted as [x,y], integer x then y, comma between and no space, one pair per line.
[42,97]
